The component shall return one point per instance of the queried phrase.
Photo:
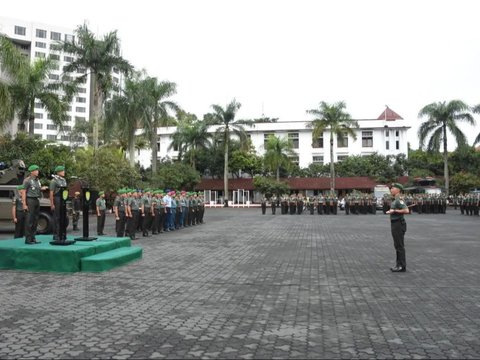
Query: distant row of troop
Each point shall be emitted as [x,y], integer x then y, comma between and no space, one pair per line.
[156,211]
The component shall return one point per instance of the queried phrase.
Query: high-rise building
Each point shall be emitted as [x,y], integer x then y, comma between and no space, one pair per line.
[36,40]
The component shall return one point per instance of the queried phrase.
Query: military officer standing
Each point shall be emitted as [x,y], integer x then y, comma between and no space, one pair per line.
[31,203]
[101,207]
[18,215]
[119,209]
[273,204]
[398,226]
[263,205]
[58,182]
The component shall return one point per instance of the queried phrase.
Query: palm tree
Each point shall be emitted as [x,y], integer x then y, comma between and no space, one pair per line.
[338,122]
[29,83]
[190,138]
[127,112]
[99,58]
[277,152]
[159,107]
[443,116]
[226,119]
[476,110]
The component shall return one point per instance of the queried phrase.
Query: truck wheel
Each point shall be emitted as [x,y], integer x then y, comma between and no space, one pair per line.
[45,223]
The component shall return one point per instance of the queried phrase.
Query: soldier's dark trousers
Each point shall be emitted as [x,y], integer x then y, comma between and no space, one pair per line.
[57,200]
[320,209]
[132,224]
[32,218]
[292,209]
[311,208]
[264,208]
[347,209]
[299,208]
[399,228]
[274,208]
[20,224]
[100,222]
[147,222]
[327,210]
[120,224]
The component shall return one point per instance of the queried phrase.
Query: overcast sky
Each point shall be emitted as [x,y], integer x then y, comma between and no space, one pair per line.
[281,58]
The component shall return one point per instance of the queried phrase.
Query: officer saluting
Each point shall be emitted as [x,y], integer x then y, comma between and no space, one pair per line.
[399,226]
[31,203]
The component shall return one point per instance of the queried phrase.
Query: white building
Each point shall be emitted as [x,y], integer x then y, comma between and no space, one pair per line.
[385,135]
[35,40]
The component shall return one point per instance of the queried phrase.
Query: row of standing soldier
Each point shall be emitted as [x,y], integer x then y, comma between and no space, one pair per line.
[156,211]
[297,204]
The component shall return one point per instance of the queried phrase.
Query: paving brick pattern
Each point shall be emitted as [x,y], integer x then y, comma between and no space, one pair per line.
[247,286]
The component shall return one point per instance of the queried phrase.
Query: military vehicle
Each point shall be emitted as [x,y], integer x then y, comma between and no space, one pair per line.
[9,179]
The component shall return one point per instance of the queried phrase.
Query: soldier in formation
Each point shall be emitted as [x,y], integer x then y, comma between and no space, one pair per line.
[360,203]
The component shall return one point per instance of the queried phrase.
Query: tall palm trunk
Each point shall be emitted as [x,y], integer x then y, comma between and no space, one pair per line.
[445,160]
[278,173]
[31,119]
[332,166]
[131,150]
[96,99]
[153,147]
[225,169]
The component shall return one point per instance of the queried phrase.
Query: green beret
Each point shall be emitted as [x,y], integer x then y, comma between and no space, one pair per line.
[33,167]
[101,193]
[398,186]
[20,187]
[59,168]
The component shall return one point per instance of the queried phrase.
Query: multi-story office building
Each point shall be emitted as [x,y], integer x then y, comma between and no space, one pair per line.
[385,135]
[36,40]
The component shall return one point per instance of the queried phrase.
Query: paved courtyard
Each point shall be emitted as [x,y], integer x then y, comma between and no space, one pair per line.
[245,285]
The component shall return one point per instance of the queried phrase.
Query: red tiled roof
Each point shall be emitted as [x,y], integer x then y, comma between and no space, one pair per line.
[389,115]
[322,183]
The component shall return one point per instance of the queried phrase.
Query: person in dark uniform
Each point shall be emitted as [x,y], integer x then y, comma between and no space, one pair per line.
[58,181]
[119,209]
[77,208]
[398,226]
[264,205]
[31,204]
[273,204]
[101,207]
[18,215]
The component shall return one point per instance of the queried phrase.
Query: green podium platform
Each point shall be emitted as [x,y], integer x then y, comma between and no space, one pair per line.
[102,254]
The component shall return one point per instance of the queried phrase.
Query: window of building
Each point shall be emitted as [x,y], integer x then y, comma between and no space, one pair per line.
[397,145]
[38,126]
[342,140]
[81,71]
[387,145]
[55,67]
[69,38]
[55,36]
[51,127]
[51,137]
[80,109]
[81,99]
[387,133]
[65,128]
[68,58]
[318,142]
[293,137]
[317,159]
[20,30]
[37,136]
[115,70]
[41,33]
[54,76]
[265,138]
[40,44]
[39,54]
[38,116]
[367,138]
[82,90]
[397,133]
[38,105]
[79,119]
[69,108]
[158,145]
[54,57]
[341,157]
[65,138]
[294,159]
[68,118]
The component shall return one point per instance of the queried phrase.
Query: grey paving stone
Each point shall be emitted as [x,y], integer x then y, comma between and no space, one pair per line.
[250,286]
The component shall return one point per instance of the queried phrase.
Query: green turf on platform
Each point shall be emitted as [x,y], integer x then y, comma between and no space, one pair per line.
[15,254]
[110,259]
